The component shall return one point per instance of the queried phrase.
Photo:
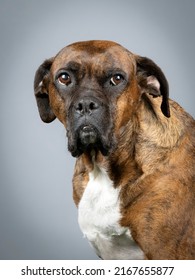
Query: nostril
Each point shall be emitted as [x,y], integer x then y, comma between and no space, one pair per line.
[79,107]
[86,106]
[93,106]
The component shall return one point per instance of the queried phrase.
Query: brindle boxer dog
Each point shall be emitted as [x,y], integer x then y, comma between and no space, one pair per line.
[134,179]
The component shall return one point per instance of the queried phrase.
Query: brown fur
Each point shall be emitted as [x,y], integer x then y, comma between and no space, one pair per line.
[153,153]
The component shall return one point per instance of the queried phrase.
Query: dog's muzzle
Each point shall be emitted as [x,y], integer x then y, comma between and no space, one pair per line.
[89,126]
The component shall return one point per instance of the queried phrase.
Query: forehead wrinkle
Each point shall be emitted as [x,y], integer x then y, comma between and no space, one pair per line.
[65,57]
[111,61]
[112,58]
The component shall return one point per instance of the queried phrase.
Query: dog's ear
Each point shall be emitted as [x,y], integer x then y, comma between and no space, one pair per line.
[41,82]
[152,80]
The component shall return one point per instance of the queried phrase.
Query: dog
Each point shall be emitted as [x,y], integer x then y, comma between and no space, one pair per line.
[134,178]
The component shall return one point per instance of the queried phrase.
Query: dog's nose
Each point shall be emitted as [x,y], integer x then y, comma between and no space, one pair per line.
[86,106]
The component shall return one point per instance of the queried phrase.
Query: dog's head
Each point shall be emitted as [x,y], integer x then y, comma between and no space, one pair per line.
[94,88]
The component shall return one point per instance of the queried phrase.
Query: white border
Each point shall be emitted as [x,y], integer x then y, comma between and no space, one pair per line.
[13,269]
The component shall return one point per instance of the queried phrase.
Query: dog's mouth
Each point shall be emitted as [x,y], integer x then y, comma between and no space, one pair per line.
[87,138]
[88,135]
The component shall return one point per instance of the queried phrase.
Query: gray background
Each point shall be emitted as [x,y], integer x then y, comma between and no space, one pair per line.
[38,219]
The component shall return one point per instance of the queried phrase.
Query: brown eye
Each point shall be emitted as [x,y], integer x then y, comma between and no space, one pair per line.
[64,79]
[116,79]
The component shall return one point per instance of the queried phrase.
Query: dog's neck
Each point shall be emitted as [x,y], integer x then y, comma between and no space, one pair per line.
[123,165]
[120,164]
[131,158]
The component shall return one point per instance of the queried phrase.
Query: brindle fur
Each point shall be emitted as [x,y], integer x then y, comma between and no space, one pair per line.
[150,140]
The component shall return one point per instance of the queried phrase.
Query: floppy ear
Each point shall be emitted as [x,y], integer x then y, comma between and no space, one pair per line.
[152,80]
[41,82]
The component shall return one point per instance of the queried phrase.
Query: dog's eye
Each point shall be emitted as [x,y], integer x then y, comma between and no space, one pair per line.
[116,79]
[64,79]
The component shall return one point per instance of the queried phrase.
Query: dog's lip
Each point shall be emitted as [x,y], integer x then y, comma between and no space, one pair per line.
[86,138]
[88,135]
[87,128]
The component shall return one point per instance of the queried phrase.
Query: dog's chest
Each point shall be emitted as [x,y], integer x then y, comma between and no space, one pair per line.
[99,216]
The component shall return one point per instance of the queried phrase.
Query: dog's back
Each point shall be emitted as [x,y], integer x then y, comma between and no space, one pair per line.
[161,204]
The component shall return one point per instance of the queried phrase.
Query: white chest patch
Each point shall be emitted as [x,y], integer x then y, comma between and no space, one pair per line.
[99,216]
